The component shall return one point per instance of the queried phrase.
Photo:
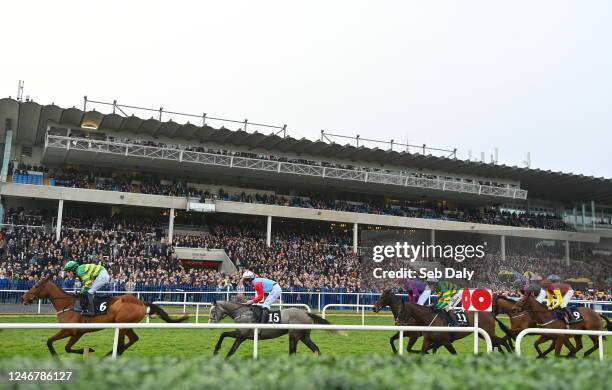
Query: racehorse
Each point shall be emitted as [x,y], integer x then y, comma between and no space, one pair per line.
[246,314]
[425,316]
[544,318]
[518,321]
[122,308]
[396,304]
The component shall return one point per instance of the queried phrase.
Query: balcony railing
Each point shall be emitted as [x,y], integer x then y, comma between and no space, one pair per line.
[185,156]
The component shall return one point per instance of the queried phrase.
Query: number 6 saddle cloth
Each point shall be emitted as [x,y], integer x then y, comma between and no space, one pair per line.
[101,303]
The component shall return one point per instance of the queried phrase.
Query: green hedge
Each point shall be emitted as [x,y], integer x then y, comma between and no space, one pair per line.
[329,372]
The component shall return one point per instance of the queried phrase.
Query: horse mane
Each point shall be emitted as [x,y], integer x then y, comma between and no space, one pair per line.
[50,281]
[505,298]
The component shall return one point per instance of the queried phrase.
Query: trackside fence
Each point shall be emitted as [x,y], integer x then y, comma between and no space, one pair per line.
[572,332]
[256,328]
[340,306]
[316,300]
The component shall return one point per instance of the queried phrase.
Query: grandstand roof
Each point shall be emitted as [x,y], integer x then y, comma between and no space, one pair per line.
[32,120]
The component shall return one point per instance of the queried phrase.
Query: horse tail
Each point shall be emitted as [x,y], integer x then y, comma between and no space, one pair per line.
[154,309]
[322,321]
[507,331]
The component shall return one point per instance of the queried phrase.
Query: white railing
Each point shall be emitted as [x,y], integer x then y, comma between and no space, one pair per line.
[257,328]
[290,297]
[362,307]
[599,333]
[209,304]
[359,174]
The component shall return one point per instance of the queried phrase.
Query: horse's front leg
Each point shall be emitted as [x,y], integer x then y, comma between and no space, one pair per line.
[62,334]
[233,334]
[536,345]
[392,341]
[234,348]
[411,341]
[73,340]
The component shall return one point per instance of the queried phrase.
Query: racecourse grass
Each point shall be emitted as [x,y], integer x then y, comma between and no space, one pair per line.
[200,342]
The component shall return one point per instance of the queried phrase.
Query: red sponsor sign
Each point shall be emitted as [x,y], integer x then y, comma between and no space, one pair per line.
[480,299]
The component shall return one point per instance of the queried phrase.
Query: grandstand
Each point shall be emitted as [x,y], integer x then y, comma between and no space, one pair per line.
[126,191]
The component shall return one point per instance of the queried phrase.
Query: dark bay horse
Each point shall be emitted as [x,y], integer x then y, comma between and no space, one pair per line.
[545,318]
[425,316]
[241,313]
[123,308]
[396,304]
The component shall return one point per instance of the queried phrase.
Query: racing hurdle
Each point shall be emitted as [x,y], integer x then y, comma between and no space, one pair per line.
[256,327]
[572,332]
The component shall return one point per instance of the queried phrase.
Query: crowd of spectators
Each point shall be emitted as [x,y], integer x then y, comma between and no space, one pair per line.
[70,177]
[135,251]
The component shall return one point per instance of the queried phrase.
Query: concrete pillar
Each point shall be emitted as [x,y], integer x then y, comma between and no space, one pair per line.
[583,217]
[575,217]
[355,237]
[432,239]
[58,225]
[171,227]
[269,232]
[8,145]
[593,214]
[567,253]
[503,247]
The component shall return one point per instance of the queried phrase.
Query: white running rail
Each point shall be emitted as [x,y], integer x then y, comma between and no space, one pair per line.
[362,307]
[256,328]
[599,333]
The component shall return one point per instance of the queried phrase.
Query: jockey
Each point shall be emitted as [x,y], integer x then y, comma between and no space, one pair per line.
[92,277]
[419,291]
[535,289]
[448,296]
[263,286]
[559,293]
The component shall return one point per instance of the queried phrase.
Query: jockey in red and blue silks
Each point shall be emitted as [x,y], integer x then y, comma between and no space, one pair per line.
[263,286]
[419,291]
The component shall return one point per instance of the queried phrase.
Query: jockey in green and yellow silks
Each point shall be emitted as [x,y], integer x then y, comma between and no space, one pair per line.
[92,277]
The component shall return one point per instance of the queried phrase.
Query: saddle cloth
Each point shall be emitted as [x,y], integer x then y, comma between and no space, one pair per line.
[101,304]
[274,316]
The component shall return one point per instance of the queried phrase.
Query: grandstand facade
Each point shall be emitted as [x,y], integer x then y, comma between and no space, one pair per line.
[122,189]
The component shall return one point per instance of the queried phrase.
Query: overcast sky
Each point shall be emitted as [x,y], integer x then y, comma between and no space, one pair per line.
[523,76]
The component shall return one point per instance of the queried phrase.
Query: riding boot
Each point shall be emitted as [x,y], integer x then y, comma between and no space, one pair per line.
[84,301]
[91,306]
[451,319]
[264,315]
[568,315]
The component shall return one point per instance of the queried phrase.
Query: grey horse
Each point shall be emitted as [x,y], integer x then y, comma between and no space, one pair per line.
[244,314]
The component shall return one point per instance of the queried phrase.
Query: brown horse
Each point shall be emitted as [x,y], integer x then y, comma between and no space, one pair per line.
[545,318]
[396,305]
[425,316]
[518,321]
[123,308]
